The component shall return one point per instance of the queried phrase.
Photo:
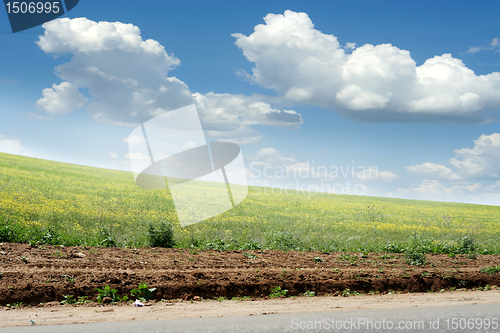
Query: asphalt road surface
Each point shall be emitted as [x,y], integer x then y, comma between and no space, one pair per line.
[460,318]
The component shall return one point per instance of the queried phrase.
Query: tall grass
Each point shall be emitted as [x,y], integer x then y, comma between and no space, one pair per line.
[58,203]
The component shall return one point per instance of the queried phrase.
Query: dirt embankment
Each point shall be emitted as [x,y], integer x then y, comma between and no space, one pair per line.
[42,274]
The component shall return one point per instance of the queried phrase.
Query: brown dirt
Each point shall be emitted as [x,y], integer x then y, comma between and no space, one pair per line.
[46,272]
[186,278]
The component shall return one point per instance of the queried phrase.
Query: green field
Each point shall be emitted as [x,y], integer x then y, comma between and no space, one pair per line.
[46,202]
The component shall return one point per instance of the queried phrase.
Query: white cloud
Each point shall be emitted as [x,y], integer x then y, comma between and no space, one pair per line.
[466,192]
[429,169]
[373,174]
[481,161]
[61,99]
[494,45]
[127,78]
[114,156]
[12,146]
[230,117]
[373,83]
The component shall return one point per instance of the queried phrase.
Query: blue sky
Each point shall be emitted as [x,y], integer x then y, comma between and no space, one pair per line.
[410,89]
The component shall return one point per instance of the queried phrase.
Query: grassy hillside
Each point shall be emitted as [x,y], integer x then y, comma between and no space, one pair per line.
[58,203]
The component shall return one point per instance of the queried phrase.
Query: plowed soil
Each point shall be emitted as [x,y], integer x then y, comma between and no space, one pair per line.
[43,274]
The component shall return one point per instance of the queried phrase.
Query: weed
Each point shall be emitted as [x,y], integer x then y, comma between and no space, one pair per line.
[415,258]
[278,292]
[68,299]
[239,299]
[143,292]
[24,259]
[485,288]
[68,278]
[220,298]
[491,269]
[106,238]
[108,292]
[318,260]
[349,292]
[250,255]
[309,293]
[59,254]
[83,300]
[163,236]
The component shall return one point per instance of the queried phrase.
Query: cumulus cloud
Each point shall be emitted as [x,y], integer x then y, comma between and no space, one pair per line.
[471,177]
[61,99]
[480,162]
[372,83]
[126,78]
[429,169]
[12,146]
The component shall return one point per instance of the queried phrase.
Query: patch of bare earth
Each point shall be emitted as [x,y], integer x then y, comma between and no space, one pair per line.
[44,274]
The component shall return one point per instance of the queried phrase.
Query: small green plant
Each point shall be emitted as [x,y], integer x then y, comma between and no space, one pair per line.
[106,239]
[352,259]
[111,293]
[24,259]
[68,278]
[485,288]
[387,256]
[349,292]
[318,260]
[83,300]
[278,292]
[15,305]
[309,293]
[250,255]
[163,236]
[472,256]
[68,299]
[283,273]
[143,292]
[59,254]
[491,269]
[239,299]
[415,258]
[220,298]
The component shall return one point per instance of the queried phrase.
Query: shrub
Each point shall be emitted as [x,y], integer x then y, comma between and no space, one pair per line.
[468,245]
[163,236]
